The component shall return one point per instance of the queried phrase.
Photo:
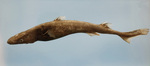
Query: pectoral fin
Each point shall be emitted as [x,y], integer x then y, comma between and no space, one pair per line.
[51,34]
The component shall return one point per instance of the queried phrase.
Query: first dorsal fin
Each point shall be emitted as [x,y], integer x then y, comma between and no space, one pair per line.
[60,18]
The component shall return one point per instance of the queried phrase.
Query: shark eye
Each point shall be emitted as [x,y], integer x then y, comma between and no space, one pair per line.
[21,40]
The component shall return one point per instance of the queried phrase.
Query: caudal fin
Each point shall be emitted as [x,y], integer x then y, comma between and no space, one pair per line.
[140,31]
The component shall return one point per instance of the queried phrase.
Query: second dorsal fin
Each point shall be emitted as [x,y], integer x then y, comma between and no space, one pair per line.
[106,25]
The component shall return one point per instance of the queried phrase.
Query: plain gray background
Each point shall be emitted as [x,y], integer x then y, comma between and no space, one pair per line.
[77,49]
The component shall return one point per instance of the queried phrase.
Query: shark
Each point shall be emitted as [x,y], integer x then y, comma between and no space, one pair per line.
[61,27]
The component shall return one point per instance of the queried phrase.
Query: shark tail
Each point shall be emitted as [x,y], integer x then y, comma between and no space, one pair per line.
[139,31]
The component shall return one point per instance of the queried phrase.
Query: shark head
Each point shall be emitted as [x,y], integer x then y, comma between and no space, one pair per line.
[23,37]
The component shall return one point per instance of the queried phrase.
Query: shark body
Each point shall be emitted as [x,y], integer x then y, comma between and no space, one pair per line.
[60,27]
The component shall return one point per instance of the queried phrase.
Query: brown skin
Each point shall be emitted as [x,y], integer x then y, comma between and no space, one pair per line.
[59,28]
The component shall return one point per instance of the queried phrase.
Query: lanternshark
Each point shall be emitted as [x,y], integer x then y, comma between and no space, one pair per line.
[60,27]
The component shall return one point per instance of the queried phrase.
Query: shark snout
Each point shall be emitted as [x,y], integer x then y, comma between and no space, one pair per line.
[11,41]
